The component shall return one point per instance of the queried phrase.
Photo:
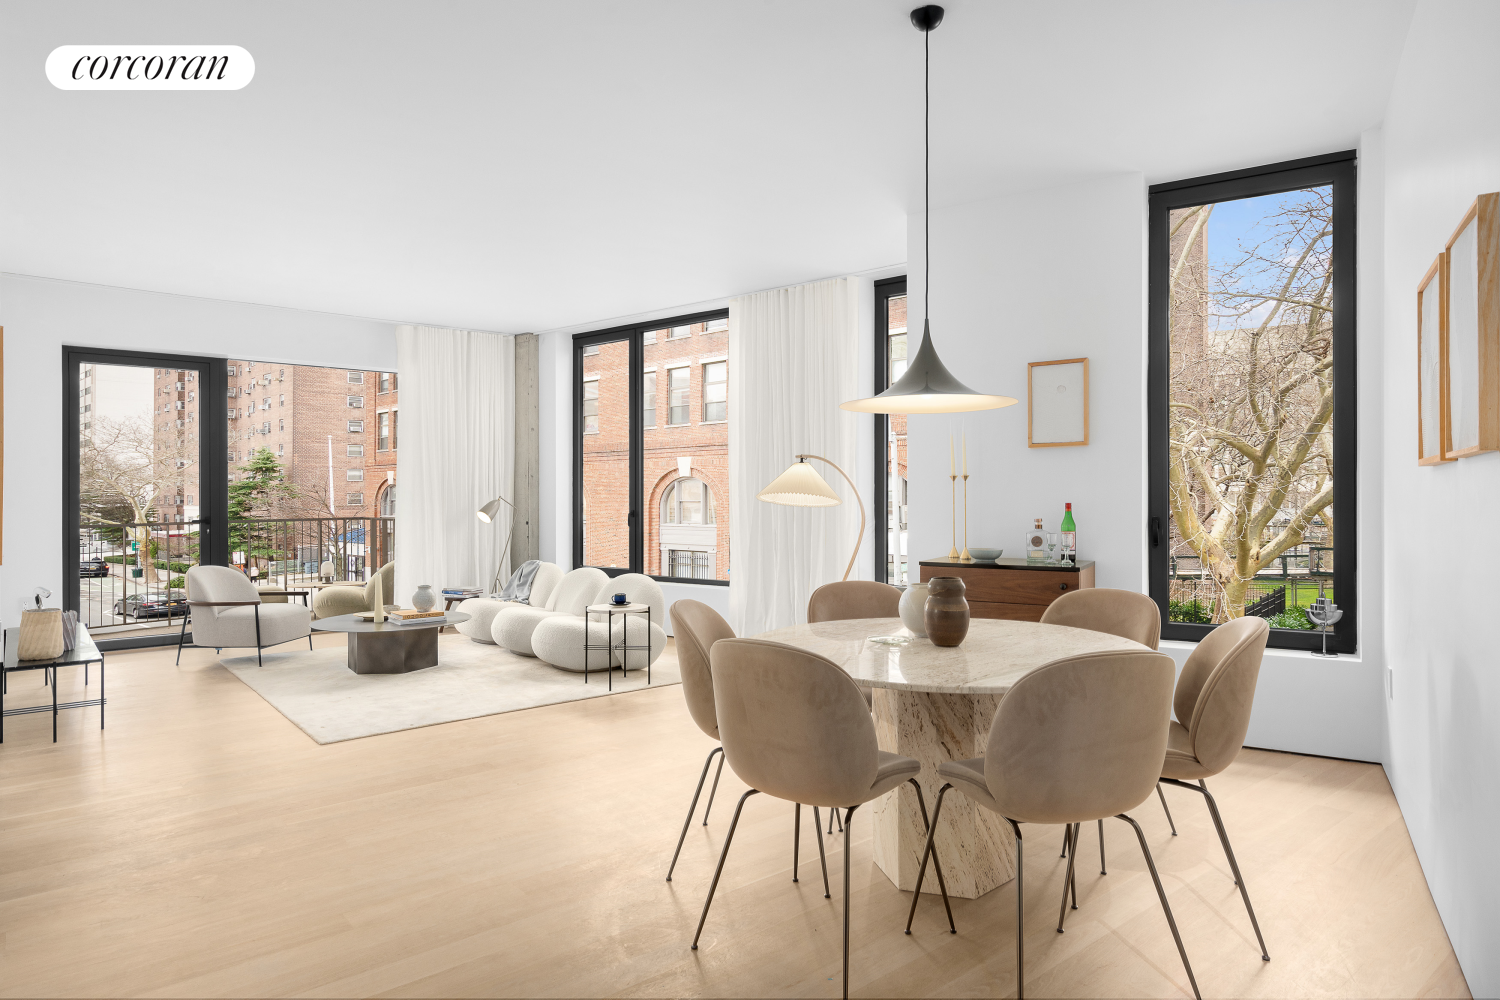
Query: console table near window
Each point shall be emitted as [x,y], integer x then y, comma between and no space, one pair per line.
[83,653]
[1011,589]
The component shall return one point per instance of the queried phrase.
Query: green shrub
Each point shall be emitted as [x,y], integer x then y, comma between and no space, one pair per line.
[175,567]
[1191,612]
[177,583]
[1291,618]
[114,559]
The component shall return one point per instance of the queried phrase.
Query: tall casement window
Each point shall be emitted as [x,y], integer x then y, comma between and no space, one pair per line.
[890,435]
[1251,396]
[651,484]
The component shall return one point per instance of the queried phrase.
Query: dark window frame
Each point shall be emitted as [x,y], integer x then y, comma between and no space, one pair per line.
[885,290]
[634,334]
[213,490]
[1340,171]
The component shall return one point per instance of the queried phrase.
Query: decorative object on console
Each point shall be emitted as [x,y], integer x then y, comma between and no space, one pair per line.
[964,555]
[953,498]
[41,634]
[913,608]
[928,386]
[487,514]
[69,630]
[1057,403]
[1036,544]
[1471,331]
[985,555]
[1324,614]
[801,486]
[620,599]
[424,599]
[1069,532]
[946,613]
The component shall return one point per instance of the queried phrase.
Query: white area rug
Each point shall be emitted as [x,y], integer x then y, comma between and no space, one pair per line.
[318,692]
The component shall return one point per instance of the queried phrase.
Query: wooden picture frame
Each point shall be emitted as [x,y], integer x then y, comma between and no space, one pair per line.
[1058,418]
[1432,366]
[1471,328]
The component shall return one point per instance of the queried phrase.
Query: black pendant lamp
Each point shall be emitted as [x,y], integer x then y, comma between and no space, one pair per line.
[928,386]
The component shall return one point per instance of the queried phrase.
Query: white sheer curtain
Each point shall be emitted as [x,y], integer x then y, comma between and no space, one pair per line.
[454,454]
[793,359]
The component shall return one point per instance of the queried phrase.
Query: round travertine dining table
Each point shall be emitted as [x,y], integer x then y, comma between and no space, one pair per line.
[935,704]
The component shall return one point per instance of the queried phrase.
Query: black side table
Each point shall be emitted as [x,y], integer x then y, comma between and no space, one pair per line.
[609,611]
[82,654]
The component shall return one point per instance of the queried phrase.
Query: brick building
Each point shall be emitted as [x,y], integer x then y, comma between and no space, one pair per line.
[685,420]
[322,424]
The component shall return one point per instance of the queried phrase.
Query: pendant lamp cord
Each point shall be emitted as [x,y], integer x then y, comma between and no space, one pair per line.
[926,174]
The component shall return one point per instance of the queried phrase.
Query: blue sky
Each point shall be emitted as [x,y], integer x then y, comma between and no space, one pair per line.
[1234,223]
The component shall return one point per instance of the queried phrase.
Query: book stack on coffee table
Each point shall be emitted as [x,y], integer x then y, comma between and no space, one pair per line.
[411,616]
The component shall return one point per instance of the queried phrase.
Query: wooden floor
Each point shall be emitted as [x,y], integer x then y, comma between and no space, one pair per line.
[202,846]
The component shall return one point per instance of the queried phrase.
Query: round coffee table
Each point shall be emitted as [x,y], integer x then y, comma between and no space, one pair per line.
[388,648]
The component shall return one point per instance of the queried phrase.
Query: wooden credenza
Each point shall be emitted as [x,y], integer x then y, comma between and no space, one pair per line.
[1009,588]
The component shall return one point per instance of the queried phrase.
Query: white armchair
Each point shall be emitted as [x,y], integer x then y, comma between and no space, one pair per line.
[483,610]
[558,639]
[226,611]
[514,625]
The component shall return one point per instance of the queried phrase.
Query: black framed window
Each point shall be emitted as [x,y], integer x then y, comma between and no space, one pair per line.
[650,476]
[890,435]
[1251,399]
[141,501]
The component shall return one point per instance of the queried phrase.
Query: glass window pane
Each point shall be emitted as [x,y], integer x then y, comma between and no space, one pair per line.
[897,568]
[605,443]
[678,384]
[648,395]
[1250,316]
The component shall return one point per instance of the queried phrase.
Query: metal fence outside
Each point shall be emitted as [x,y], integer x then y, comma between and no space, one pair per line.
[132,575]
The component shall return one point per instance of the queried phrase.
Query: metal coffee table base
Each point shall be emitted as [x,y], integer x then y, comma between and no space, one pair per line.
[392,652]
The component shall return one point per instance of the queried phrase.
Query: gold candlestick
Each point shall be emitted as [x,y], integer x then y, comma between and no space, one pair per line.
[953,551]
[964,556]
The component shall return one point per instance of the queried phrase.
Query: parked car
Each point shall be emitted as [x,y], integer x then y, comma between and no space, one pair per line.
[172,605]
[93,567]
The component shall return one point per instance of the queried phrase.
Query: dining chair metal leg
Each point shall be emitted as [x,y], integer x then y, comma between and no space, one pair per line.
[927,852]
[937,865]
[692,808]
[848,826]
[1239,880]
[1165,906]
[822,858]
[1020,913]
[1068,880]
[1067,839]
[1101,848]
[1165,809]
[833,814]
[719,870]
[713,791]
[796,836]
[1073,875]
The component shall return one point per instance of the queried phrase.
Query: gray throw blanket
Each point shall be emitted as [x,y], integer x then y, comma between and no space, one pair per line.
[518,587]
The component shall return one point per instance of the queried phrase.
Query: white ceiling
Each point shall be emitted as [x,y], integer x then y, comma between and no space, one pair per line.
[528,166]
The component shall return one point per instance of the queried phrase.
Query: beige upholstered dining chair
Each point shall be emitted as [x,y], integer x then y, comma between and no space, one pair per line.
[794,727]
[696,627]
[1213,700]
[853,599]
[1073,741]
[1118,612]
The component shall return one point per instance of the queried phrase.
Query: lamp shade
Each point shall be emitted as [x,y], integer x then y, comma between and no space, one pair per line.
[927,387]
[800,486]
[489,511]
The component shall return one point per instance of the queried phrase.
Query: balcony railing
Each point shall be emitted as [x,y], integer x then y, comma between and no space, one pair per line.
[132,575]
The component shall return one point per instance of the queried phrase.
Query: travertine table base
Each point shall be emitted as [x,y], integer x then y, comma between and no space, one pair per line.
[977,847]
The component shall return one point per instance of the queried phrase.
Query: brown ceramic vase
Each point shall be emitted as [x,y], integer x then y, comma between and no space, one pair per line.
[946,613]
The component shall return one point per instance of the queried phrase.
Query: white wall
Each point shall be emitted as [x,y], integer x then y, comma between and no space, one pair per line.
[1061,273]
[1442,147]
[41,315]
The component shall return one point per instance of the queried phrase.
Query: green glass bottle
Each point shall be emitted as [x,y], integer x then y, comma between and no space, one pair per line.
[1069,535]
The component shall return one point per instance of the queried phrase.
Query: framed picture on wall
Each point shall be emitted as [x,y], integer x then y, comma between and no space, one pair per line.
[1057,403]
[1432,366]
[1471,297]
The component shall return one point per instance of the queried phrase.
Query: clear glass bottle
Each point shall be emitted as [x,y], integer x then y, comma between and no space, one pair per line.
[1036,545]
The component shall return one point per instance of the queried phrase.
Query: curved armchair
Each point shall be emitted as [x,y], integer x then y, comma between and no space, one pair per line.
[226,611]
[330,602]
